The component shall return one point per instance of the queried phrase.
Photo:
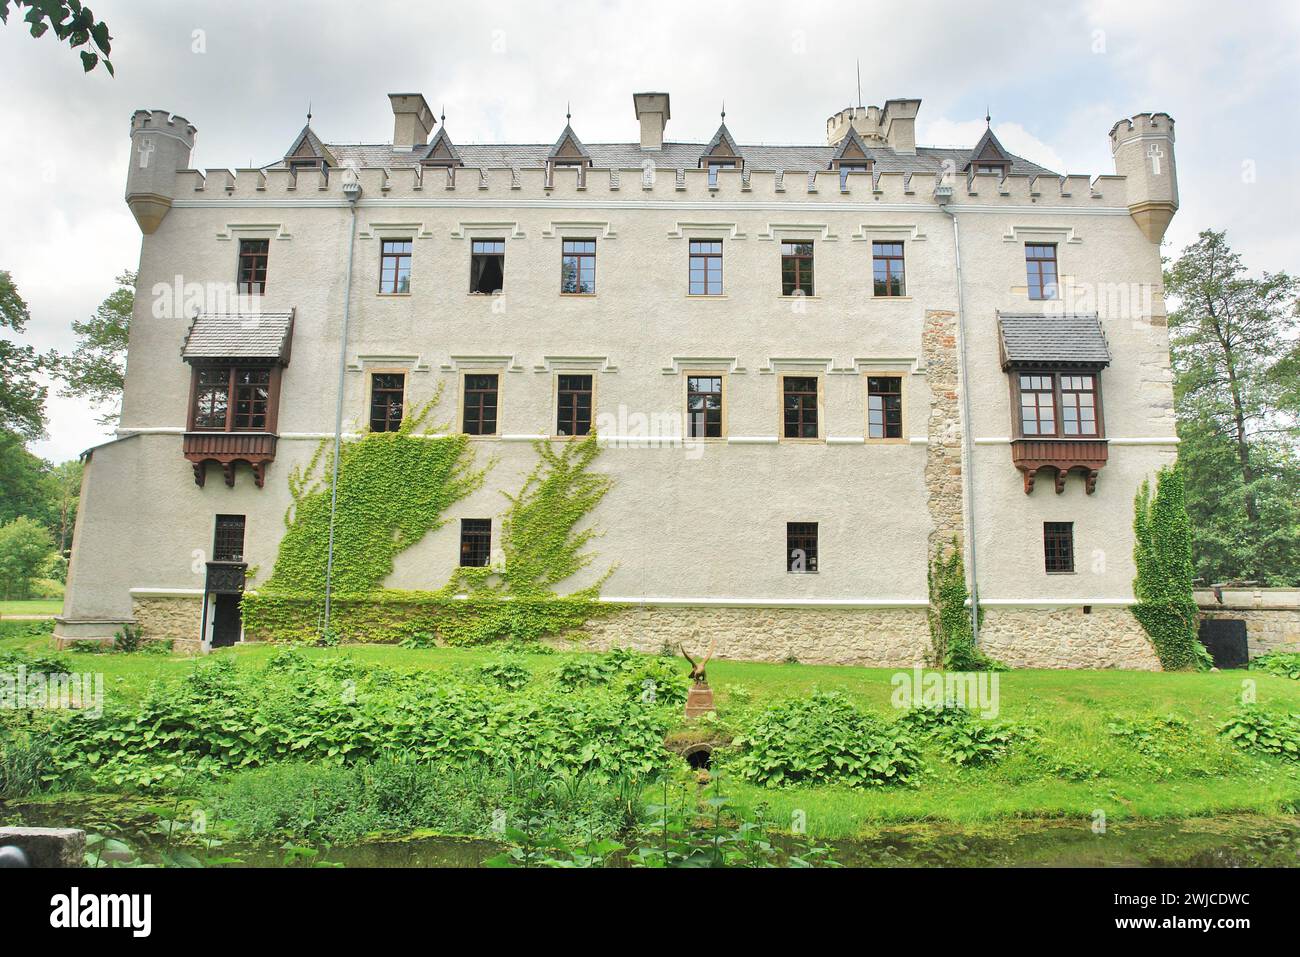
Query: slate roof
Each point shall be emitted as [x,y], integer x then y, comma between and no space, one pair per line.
[927,159]
[1052,340]
[239,335]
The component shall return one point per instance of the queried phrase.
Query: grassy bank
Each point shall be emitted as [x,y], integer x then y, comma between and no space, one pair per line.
[1130,745]
[31,608]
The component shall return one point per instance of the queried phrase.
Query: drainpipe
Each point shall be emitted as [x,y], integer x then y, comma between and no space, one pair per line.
[966,454]
[352,192]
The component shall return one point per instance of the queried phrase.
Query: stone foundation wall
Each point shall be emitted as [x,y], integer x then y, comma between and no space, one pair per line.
[872,637]
[178,620]
[1067,638]
[1267,629]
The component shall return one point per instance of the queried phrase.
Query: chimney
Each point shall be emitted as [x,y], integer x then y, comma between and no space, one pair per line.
[653,113]
[412,120]
[898,122]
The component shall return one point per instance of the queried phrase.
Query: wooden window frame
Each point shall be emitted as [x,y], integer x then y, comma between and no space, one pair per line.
[791,536]
[231,370]
[889,260]
[474,255]
[463,405]
[819,408]
[255,263]
[689,374]
[580,257]
[370,398]
[555,406]
[901,438]
[471,538]
[1056,543]
[1058,412]
[799,259]
[707,257]
[220,541]
[1037,284]
[385,256]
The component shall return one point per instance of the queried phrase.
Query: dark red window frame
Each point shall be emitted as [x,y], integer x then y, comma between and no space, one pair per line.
[888,269]
[482,396]
[1058,547]
[797,268]
[1041,270]
[574,400]
[253,257]
[387,397]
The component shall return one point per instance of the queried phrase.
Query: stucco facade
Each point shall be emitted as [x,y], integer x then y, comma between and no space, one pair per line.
[690,526]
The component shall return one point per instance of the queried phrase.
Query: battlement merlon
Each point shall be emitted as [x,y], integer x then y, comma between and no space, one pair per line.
[1143,150]
[161,144]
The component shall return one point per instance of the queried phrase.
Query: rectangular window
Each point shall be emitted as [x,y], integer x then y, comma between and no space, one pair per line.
[1058,547]
[487,266]
[578,267]
[704,406]
[475,542]
[847,168]
[799,408]
[1078,405]
[1037,404]
[884,407]
[231,400]
[796,269]
[801,546]
[253,254]
[1040,268]
[706,268]
[887,269]
[395,267]
[228,541]
[387,393]
[252,394]
[573,405]
[480,415]
[212,398]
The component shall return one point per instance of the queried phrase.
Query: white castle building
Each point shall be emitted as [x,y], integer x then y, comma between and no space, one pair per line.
[810,366]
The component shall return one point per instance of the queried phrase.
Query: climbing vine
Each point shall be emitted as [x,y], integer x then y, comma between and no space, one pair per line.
[951,636]
[1162,552]
[393,489]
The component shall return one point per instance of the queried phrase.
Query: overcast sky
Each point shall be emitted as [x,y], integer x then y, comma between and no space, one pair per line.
[1055,75]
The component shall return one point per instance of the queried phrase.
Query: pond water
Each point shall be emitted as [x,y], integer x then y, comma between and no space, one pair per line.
[1232,841]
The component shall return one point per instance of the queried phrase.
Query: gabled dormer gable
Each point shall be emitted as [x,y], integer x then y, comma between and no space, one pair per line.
[442,151]
[722,149]
[308,152]
[568,150]
[988,156]
[852,153]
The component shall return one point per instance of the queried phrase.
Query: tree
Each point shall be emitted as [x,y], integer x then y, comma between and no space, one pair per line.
[1162,552]
[72,23]
[22,398]
[96,369]
[25,483]
[25,548]
[65,482]
[1233,346]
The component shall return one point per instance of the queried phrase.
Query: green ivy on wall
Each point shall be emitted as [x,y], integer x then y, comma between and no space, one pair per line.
[1162,552]
[393,489]
[951,636]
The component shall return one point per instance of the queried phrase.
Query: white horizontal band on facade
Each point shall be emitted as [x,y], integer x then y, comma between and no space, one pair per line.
[1135,440]
[1054,602]
[752,440]
[570,203]
[166,592]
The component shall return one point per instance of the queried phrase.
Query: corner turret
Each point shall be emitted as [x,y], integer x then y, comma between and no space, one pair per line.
[160,147]
[1143,149]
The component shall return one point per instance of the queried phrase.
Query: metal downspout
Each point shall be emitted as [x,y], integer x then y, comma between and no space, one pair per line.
[966,441]
[352,197]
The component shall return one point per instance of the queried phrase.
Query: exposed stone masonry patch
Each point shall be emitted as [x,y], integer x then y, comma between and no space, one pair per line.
[943,466]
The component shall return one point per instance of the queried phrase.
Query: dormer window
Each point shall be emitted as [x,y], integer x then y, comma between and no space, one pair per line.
[717,164]
[855,166]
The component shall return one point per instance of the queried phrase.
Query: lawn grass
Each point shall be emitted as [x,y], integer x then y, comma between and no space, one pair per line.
[36,607]
[1071,765]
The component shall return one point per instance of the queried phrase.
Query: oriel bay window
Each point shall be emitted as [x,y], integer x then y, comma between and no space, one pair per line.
[1054,366]
[237,362]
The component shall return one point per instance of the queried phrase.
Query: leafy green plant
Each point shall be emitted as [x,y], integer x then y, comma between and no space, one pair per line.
[1285,664]
[822,739]
[961,736]
[127,640]
[506,672]
[1257,731]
